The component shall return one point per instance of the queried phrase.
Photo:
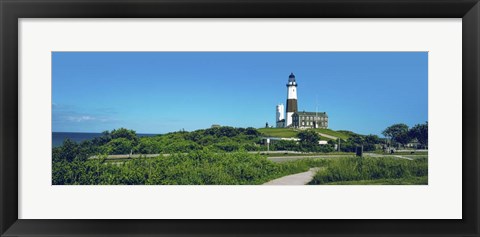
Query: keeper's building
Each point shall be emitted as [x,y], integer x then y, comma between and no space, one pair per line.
[310,120]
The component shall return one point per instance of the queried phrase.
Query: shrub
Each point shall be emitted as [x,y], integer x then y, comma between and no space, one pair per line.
[369,168]
[119,146]
[199,167]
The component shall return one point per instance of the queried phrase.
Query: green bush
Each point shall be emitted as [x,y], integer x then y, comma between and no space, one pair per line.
[284,145]
[119,146]
[199,167]
[67,152]
[369,168]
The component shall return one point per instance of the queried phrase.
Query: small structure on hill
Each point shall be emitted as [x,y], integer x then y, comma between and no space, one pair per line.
[280,118]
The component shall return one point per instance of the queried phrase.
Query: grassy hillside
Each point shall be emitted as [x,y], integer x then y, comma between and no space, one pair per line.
[330,132]
[278,132]
[290,132]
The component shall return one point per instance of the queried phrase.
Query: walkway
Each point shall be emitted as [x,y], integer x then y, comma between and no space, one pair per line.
[389,155]
[294,179]
[328,136]
[290,158]
[130,156]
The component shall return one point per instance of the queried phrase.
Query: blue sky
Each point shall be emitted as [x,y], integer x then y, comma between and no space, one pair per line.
[158,92]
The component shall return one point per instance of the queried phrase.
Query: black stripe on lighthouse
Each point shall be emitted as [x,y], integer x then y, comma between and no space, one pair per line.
[292,105]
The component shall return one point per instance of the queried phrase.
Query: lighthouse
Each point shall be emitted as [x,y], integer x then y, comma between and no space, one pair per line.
[291,99]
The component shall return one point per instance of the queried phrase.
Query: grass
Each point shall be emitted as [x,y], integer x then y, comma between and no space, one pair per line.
[278,132]
[330,132]
[240,168]
[370,170]
[403,181]
[195,168]
[290,132]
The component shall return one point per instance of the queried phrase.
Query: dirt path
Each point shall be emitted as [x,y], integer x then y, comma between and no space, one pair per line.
[294,179]
[328,136]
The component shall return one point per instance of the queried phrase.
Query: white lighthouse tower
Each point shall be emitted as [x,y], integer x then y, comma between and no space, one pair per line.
[291,99]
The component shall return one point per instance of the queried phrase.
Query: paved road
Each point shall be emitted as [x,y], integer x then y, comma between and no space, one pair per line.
[287,158]
[294,179]
[129,156]
[380,155]
[272,158]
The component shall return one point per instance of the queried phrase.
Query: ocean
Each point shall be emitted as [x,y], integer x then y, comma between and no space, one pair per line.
[59,137]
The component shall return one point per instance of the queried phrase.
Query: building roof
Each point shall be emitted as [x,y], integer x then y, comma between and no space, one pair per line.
[320,114]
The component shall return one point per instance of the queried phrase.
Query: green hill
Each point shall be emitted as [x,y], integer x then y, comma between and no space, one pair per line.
[291,132]
[278,132]
[341,135]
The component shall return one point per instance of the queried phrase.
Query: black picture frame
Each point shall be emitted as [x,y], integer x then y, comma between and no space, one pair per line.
[12,10]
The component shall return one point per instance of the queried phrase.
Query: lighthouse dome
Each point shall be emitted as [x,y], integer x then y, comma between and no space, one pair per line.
[291,78]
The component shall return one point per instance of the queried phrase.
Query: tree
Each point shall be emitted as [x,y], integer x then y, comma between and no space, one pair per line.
[352,142]
[309,139]
[226,131]
[370,142]
[398,133]
[420,132]
[403,138]
[372,139]
[251,131]
[124,133]
[119,146]
[68,151]
[356,139]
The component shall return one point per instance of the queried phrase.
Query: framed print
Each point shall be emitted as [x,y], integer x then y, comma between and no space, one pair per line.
[239,118]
